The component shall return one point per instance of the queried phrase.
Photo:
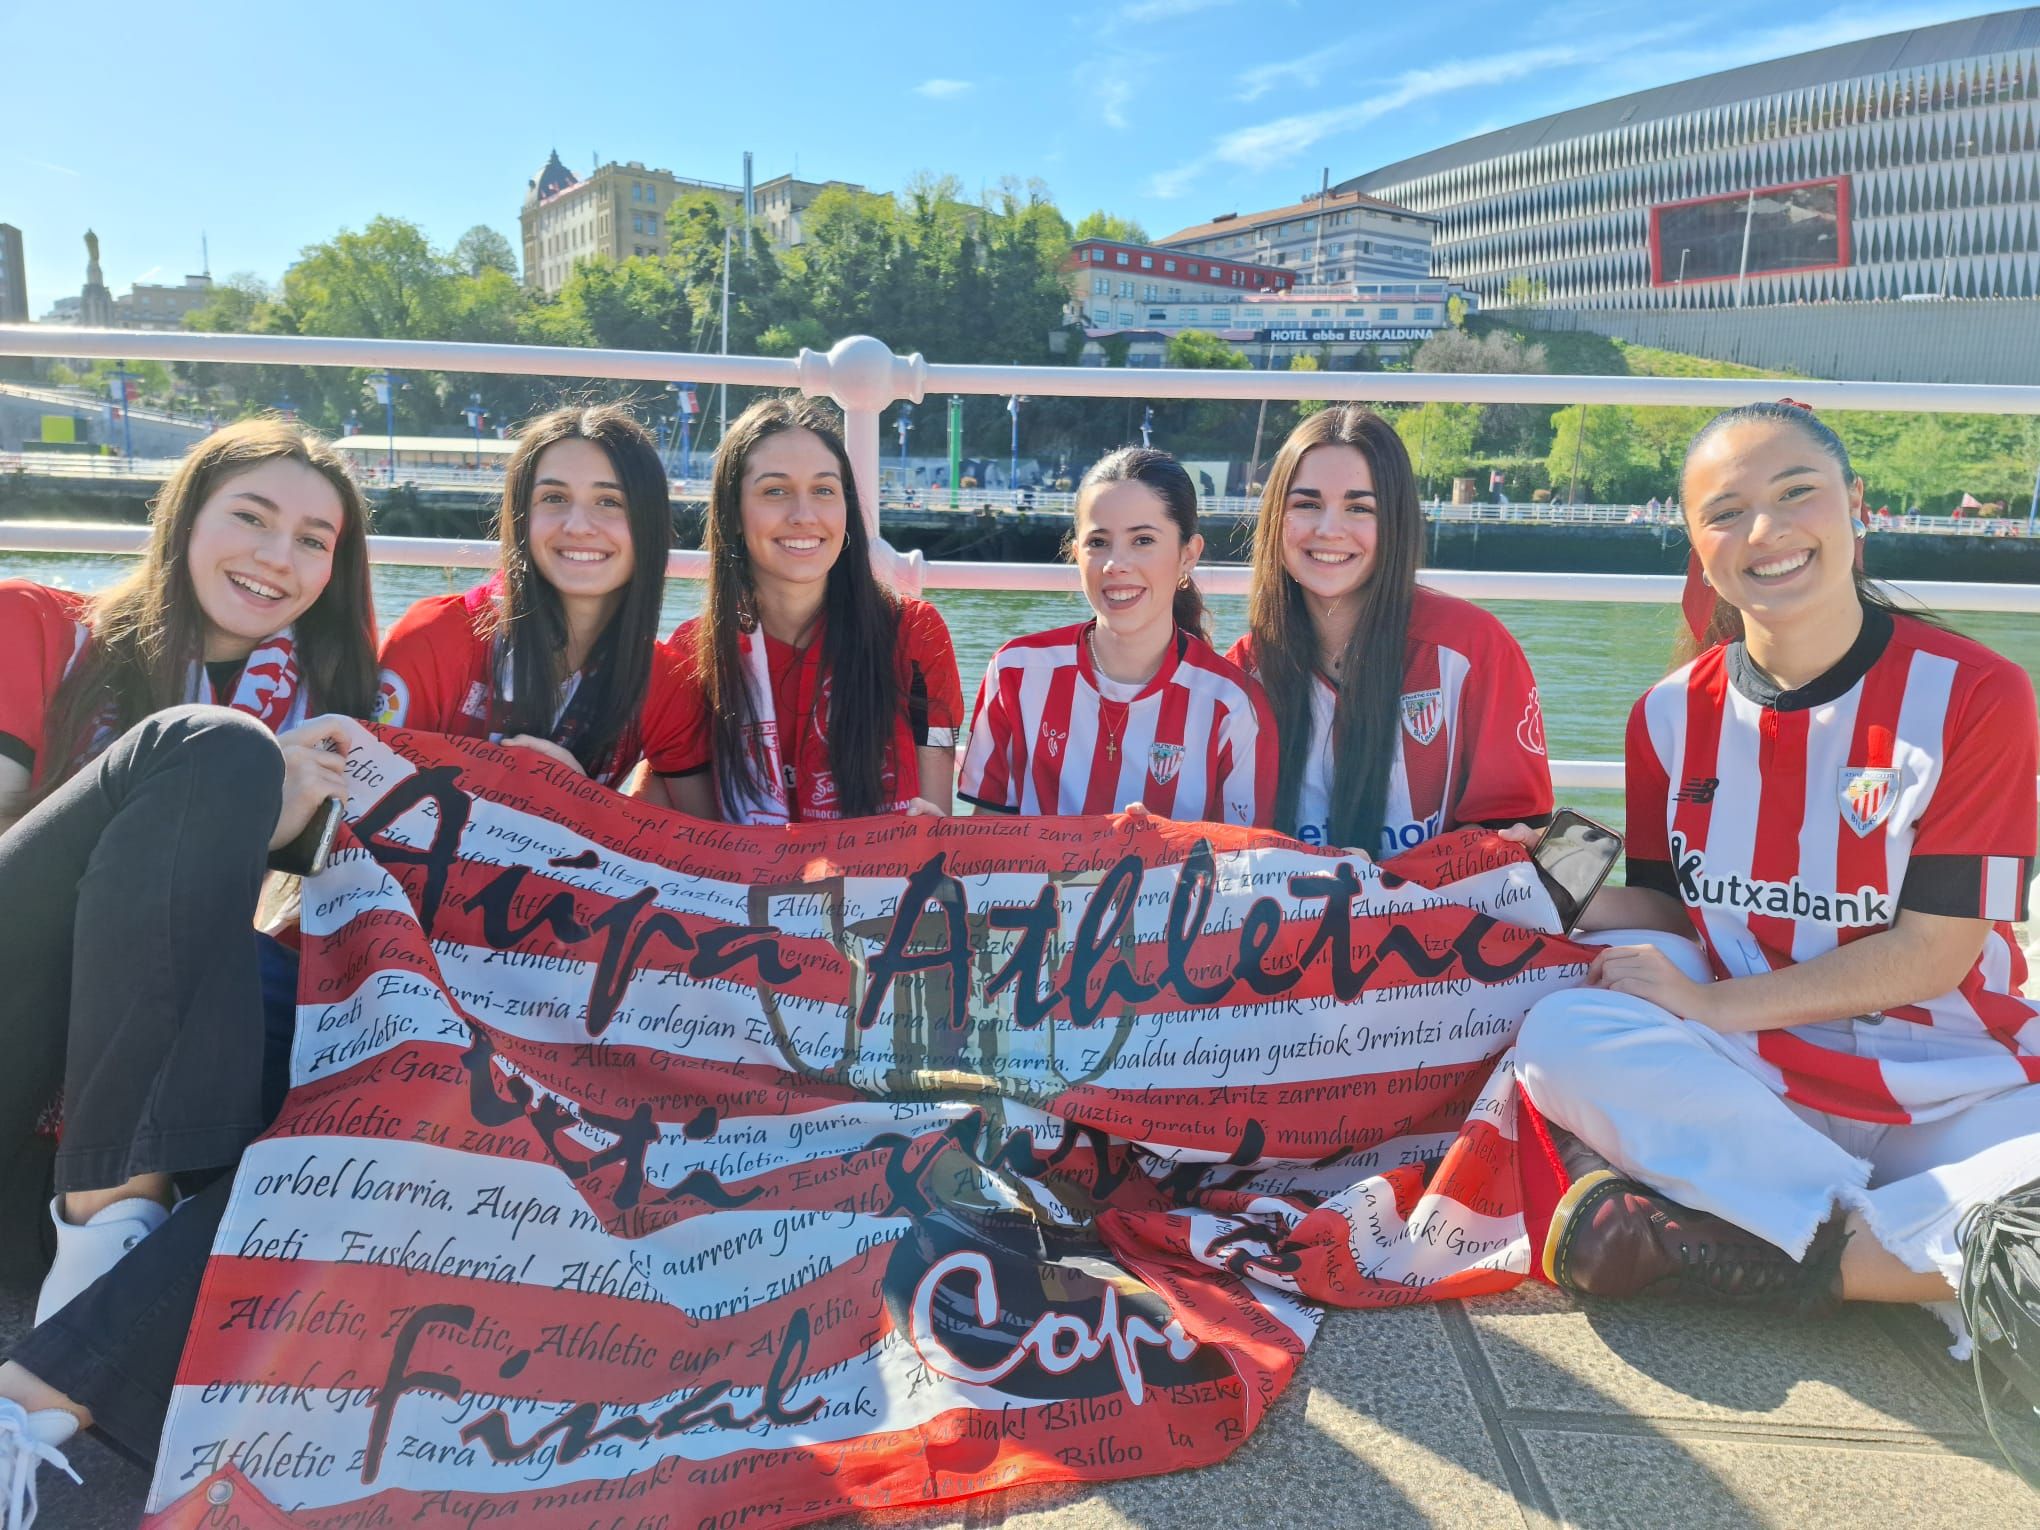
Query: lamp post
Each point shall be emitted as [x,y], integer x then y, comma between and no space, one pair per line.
[476,414]
[385,386]
[905,426]
[1147,426]
[955,450]
[1682,266]
[121,395]
[1013,461]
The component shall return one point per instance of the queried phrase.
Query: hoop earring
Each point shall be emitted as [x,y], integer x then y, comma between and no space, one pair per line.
[1183,583]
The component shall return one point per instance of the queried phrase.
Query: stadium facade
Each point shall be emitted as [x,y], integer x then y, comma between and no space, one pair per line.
[1904,166]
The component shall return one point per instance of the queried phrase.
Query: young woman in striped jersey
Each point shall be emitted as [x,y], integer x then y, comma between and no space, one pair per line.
[1133,706]
[1402,712]
[1837,799]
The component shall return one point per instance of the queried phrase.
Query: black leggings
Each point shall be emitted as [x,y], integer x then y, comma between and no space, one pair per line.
[126,900]
[126,904]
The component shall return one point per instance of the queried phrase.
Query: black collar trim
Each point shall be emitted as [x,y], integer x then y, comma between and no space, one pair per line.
[1848,671]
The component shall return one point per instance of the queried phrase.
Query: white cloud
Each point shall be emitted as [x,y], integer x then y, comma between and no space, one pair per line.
[1137,11]
[1598,61]
[943,90]
[1114,96]
[1307,70]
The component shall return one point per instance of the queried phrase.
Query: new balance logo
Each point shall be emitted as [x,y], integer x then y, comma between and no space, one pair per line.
[1700,790]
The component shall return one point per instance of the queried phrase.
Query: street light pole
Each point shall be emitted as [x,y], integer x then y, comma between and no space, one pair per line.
[475,415]
[955,450]
[1147,426]
[121,377]
[385,385]
[904,425]
[1013,464]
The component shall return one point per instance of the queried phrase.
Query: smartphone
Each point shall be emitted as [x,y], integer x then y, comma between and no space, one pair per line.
[1573,859]
[306,855]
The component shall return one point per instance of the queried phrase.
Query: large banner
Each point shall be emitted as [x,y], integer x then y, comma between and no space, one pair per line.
[644,1171]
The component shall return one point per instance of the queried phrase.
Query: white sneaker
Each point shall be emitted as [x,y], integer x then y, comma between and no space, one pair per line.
[29,1440]
[87,1250]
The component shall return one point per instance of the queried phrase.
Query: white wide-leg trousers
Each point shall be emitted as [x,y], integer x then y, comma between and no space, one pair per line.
[1677,1108]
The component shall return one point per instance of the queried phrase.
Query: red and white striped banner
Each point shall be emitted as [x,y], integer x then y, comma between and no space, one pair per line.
[640,1167]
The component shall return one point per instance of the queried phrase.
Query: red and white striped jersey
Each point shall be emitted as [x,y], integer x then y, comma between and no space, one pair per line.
[1472,732]
[1790,823]
[1196,743]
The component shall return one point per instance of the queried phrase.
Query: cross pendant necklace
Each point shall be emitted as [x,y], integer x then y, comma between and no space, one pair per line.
[1112,738]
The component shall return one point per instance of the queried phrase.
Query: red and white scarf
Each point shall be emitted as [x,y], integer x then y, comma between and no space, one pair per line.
[269,689]
[769,800]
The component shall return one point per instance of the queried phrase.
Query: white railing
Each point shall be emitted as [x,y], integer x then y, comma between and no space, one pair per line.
[864,377]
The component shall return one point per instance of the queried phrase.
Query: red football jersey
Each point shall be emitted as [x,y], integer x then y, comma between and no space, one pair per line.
[790,697]
[41,631]
[1472,732]
[1790,823]
[439,675]
[1197,742]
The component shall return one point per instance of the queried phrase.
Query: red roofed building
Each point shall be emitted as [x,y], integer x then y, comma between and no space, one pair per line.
[1330,240]
[1112,283]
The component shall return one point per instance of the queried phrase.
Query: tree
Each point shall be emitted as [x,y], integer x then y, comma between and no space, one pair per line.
[1104,225]
[481,249]
[1504,428]
[1607,455]
[1200,350]
[1439,438]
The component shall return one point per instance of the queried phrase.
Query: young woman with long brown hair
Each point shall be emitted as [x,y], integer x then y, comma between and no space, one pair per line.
[558,651]
[1401,712]
[154,748]
[1836,797]
[1133,706]
[814,691]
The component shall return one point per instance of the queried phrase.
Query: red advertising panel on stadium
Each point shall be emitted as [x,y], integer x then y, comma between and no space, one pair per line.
[637,1164]
[1799,227]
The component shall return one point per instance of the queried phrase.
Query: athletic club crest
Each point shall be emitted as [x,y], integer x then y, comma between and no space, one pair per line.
[1866,796]
[1422,712]
[1164,760]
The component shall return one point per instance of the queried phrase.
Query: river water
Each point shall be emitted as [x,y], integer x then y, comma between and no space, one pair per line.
[1591,660]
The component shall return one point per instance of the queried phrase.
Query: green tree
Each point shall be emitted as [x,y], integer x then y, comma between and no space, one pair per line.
[1607,455]
[1439,438]
[481,249]
[1504,428]
[1104,225]
[1200,350]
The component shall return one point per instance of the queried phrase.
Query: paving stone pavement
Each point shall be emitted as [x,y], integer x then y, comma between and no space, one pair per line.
[1524,1410]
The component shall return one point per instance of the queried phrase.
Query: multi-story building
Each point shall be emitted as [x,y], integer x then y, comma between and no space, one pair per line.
[619,211]
[777,206]
[151,306]
[1337,324]
[13,277]
[1341,236]
[1903,166]
[1115,285]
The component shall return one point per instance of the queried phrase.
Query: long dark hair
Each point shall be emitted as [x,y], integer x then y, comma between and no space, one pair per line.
[149,629]
[1725,624]
[529,619]
[1162,473]
[1366,719]
[861,617]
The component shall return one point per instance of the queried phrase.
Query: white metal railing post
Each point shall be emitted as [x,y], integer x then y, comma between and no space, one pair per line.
[863,376]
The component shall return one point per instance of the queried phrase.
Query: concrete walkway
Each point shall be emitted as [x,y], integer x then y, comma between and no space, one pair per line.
[1520,1410]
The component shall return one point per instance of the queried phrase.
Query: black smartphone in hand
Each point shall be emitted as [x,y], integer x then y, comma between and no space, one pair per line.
[307,854]
[1573,859]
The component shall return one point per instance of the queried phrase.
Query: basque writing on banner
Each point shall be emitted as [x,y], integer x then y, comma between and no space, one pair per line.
[650,1171]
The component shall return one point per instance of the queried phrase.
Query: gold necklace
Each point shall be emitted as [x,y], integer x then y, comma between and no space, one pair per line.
[1106,706]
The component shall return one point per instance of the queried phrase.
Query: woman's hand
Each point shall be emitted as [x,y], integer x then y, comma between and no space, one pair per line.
[1647,973]
[548,748]
[921,807]
[314,769]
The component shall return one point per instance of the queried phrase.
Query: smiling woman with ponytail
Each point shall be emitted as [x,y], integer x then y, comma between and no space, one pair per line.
[1133,706]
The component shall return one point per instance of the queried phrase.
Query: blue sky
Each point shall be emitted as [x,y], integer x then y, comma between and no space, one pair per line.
[265,127]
